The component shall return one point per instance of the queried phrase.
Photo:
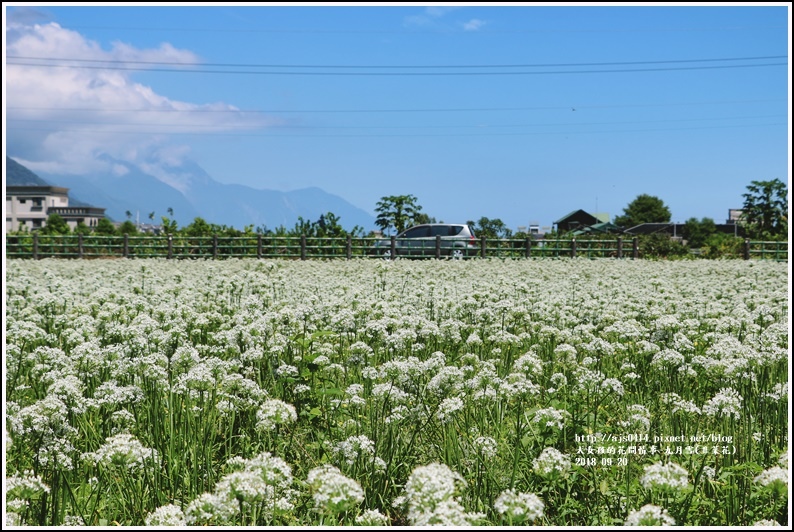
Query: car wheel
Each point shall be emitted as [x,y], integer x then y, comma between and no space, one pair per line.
[386,254]
[457,254]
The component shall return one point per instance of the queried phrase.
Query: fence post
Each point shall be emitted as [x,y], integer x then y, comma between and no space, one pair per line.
[170,247]
[620,247]
[635,248]
[126,249]
[259,246]
[746,249]
[303,247]
[528,247]
[35,246]
[438,246]
[573,248]
[80,245]
[393,248]
[349,247]
[482,246]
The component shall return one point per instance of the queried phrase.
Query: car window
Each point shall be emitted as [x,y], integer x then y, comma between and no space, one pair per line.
[416,232]
[440,230]
[455,230]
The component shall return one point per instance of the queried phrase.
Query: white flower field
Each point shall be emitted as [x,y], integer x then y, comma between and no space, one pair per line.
[241,392]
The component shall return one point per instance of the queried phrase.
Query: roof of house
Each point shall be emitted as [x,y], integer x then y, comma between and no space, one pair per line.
[603,227]
[578,212]
[19,190]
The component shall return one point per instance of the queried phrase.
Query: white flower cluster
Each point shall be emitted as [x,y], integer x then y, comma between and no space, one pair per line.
[639,420]
[332,491]
[485,447]
[209,509]
[550,417]
[448,407]
[430,497]
[650,515]
[372,518]
[667,358]
[124,451]
[680,405]
[263,481]
[357,448]
[275,412]
[25,486]
[774,474]
[519,507]
[666,476]
[726,403]
[551,463]
[766,522]
[168,515]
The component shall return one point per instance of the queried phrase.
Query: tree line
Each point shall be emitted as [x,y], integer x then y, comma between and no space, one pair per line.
[764,216]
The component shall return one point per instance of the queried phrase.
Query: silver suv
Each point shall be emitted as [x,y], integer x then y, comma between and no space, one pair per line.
[456,241]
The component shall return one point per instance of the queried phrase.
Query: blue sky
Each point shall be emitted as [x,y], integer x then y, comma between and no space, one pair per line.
[518,112]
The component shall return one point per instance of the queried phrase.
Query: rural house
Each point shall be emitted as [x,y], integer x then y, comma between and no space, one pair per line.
[29,206]
[579,220]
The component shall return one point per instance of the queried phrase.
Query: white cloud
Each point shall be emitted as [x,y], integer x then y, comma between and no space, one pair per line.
[63,119]
[439,11]
[429,16]
[119,170]
[473,25]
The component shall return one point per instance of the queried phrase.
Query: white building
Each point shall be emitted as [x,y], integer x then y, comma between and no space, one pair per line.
[29,206]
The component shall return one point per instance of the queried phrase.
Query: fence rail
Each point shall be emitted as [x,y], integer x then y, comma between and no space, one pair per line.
[38,246]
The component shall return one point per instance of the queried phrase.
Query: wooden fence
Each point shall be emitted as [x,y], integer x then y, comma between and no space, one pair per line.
[78,246]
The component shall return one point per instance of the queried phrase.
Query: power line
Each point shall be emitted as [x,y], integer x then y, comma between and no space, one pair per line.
[429,31]
[517,65]
[272,73]
[314,127]
[406,110]
[489,134]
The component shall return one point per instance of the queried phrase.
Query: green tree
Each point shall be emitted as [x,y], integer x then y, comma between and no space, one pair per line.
[765,210]
[490,228]
[198,227]
[644,209]
[398,212]
[127,227]
[129,215]
[169,226]
[82,229]
[328,225]
[56,225]
[423,218]
[697,232]
[106,227]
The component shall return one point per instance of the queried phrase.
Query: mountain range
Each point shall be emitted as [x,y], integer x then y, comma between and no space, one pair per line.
[189,192]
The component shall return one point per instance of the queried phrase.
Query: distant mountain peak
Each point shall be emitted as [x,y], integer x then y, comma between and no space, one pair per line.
[19,176]
[151,191]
